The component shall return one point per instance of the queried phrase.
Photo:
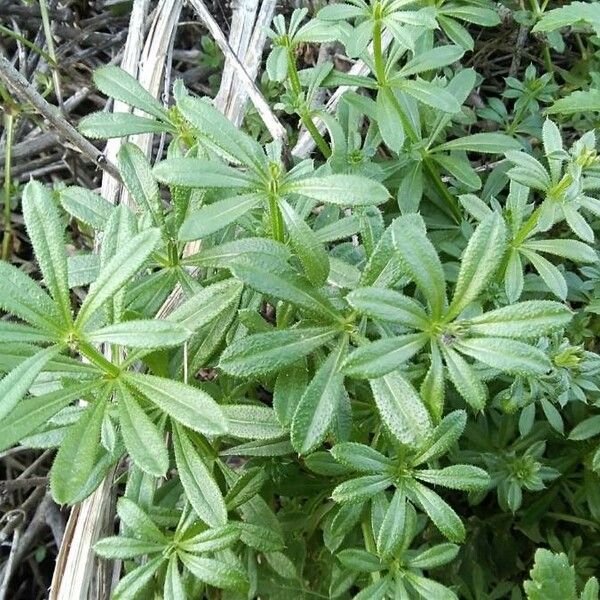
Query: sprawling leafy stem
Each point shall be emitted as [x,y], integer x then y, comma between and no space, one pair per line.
[289,427]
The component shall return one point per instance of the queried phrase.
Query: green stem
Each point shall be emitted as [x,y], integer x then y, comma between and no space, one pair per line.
[98,359]
[276,220]
[377,50]
[304,113]
[51,51]
[9,125]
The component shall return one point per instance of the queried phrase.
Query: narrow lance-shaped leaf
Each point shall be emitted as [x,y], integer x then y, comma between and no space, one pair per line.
[267,352]
[319,402]
[200,488]
[142,333]
[138,179]
[186,404]
[31,413]
[16,383]
[117,271]
[479,262]
[86,206]
[401,409]
[465,379]
[344,190]
[216,216]
[216,573]
[443,517]
[142,438]
[383,356]
[200,173]
[46,234]
[529,319]
[77,454]
[419,260]
[120,85]
[205,305]
[507,355]
[22,297]
[310,251]
[102,125]
[287,286]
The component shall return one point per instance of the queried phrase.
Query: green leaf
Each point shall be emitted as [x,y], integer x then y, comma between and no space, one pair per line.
[343,190]
[319,403]
[252,422]
[46,234]
[86,206]
[552,577]
[361,458]
[388,305]
[268,352]
[306,245]
[120,85]
[212,540]
[277,63]
[143,440]
[118,271]
[479,262]
[576,102]
[135,581]
[484,143]
[401,409]
[357,559]
[135,519]
[550,274]
[173,589]
[121,547]
[428,588]
[137,176]
[289,287]
[141,333]
[33,412]
[103,125]
[433,386]
[289,388]
[213,572]
[479,15]
[220,134]
[200,488]
[207,304]
[572,249]
[465,379]
[431,95]
[506,355]
[15,385]
[456,477]
[186,404]
[444,436]
[383,356]
[213,217]
[11,331]
[525,320]
[419,260]
[436,556]
[200,173]
[77,454]
[431,60]
[393,528]
[586,429]
[22,297]
[361,488]
[388,120]
[443,517]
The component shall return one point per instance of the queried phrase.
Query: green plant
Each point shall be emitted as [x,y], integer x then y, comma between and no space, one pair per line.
[354,390]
